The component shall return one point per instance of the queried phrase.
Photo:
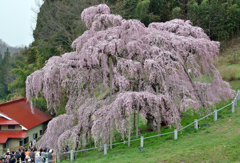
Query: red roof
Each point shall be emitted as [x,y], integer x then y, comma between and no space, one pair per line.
[20,111]
[11,134]
[4,121]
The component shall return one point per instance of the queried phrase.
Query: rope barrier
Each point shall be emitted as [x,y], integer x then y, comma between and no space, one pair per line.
[206,116]
[159,135]
[87,149]
[186,126]
[224,107]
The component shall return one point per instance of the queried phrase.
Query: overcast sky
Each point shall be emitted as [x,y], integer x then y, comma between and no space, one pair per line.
[17,21]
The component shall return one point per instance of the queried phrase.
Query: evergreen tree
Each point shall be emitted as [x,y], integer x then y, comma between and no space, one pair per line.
[4,78]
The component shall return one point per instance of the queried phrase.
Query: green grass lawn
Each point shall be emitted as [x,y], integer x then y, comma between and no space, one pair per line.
[214,142]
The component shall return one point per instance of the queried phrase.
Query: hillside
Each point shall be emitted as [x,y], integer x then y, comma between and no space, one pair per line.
[228,63]
[213,142]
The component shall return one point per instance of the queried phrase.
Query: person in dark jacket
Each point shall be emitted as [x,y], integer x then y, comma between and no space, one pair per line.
[23,156]
[17,156]
[34,148]
[12,158]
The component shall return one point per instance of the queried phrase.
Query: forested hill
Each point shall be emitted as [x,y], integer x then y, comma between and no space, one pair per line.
[59,22]
[8,57]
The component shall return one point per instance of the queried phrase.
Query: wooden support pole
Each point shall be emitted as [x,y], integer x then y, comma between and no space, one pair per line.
[138,108]
[142,141]
[129,131]
[159,118]
[137,120]
[110,65]
[72,155]
[58,158]
[196,124]
[215,115]
[175,134]
[105,149]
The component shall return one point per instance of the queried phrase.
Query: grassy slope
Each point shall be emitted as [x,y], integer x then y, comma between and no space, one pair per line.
[213,142]
[226,57]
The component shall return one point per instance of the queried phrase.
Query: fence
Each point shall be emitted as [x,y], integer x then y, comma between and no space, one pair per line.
[233,104]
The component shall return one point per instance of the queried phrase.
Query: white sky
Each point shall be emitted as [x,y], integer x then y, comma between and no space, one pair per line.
[17,21]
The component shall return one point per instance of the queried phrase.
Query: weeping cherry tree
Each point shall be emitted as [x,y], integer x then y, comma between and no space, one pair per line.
[158,70]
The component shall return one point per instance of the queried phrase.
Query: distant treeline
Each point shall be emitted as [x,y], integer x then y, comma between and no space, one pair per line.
[219,18]
[8,61]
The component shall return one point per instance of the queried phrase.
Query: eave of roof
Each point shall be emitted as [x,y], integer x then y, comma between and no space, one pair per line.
[20,111]
[4,135]
[4,121]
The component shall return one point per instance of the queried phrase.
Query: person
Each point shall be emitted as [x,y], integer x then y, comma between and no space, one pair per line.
[34,141]
[12,157]
[32,156]
[37,157]
[34,148]
[50,157]
[17,156]
[30,144]
[8,159]
[43,154]
[65,148]
[23,156]
[27,152]
[2,160]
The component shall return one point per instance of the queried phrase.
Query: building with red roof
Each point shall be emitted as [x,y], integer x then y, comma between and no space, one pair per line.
[20,123]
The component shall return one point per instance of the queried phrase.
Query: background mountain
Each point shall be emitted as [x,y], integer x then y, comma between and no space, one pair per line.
[12,50]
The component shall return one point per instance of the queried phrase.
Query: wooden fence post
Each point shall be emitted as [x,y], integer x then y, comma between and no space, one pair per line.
[105,149]
[142,141]
[233,107]
[129,131]
[72,155]
[196,124]
[215,115]
[175,134]
[58,157]
[238,95]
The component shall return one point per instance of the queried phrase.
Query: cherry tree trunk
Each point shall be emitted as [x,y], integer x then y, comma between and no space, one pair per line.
[81,144]
[194,87]
[90,138]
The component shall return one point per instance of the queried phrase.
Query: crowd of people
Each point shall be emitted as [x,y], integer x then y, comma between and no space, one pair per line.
[29,155]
